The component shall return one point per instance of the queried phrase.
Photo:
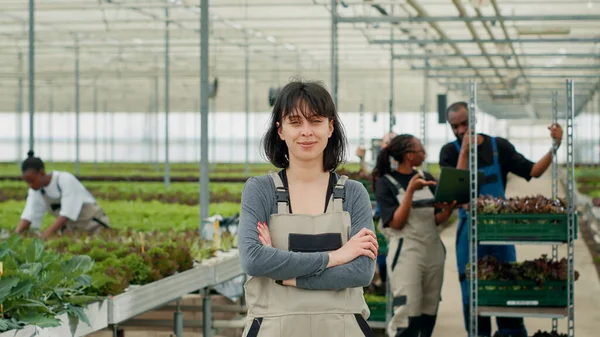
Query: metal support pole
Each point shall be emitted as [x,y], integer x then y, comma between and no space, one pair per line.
[247,103]
[334,51]
[554,185]
[425,104]
[361,125]
[50,126]
[392,87]
[105,131]
[156,110]
[473,305]
[77,168]
[95,126]
[112,136]
[571,208]
[591,143]
[20,153]
[391,117]
[206,306]
[31,70]
[167,178]
[178,320]
[204,169]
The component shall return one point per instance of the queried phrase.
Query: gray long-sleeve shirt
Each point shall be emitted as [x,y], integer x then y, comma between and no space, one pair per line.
[309,269]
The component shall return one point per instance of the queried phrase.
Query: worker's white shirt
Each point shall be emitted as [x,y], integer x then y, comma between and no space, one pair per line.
[72,198]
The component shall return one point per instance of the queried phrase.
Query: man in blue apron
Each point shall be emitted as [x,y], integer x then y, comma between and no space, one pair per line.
[496,158]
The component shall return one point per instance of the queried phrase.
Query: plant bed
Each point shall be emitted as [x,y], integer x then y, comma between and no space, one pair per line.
[96,313]
[42,288]
[522,219]
[141,216]
[537,283]
[177,193]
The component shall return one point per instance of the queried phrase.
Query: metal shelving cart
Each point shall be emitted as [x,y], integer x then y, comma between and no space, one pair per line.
[520,309]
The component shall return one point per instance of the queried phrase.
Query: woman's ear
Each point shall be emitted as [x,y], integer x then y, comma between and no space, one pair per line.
[330,128]
[279,130]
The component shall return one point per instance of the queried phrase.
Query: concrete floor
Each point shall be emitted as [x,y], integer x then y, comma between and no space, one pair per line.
[587,287]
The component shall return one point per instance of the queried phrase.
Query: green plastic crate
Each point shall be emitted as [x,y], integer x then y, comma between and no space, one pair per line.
[523,227]
[377,311]
[522,294]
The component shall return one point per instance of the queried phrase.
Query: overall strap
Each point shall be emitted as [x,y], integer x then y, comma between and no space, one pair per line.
[495,151]
[281,194]
[456,145]
[394,181]
[339,194]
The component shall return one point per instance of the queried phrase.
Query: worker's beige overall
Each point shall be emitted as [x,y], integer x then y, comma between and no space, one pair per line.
[92,218]
[415,264]
[276,310]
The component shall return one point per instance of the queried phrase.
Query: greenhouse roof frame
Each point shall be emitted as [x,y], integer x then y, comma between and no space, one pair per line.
[514,49]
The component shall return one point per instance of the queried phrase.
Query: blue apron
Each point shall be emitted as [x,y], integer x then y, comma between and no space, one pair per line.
[492,186]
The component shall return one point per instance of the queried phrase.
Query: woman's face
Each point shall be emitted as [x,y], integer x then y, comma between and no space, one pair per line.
[306,138]
[416,154]
[34,179]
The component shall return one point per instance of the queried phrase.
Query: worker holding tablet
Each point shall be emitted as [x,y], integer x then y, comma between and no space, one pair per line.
[416,255]
[496,158]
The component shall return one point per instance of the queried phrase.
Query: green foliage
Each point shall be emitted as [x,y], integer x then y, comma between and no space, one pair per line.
[538,270]
[141,216]
[37,284]
[524,205]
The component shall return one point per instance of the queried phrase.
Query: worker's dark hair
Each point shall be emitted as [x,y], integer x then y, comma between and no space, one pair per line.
[397,148]
[454,107]
[32,163]
[309,98]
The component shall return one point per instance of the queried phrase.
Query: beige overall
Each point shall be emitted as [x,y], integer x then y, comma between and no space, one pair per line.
[415,264]
[92,218]
[276,310]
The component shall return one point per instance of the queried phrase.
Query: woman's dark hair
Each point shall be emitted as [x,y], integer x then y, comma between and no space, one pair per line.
[309,98]
[32,163]
[396,149]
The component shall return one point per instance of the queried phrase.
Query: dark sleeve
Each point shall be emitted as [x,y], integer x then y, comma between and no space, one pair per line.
[385,195]
[430,177]
[513,161]
[448,156]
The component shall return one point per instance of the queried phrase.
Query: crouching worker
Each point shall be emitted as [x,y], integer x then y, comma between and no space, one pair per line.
[62,195]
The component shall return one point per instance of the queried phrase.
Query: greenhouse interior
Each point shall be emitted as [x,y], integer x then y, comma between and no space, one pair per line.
[152,229]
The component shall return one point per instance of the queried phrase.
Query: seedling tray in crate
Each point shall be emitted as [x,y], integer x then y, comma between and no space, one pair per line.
[522,294]
[523,227]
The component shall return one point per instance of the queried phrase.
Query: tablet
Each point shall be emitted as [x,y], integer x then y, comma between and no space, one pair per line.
[454,185]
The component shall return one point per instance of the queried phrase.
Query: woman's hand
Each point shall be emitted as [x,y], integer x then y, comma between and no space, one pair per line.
[446,207]
[364,243]
[417,182]
[263,234]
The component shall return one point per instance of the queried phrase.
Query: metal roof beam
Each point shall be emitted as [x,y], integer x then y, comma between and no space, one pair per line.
[497,41]
[463,13]
[529,67]
[422,57]
[588,98]
[434,19]
[530,76]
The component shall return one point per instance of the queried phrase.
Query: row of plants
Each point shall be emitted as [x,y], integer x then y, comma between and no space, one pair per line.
[521,205]
[141,216]
[40,281]
[538,270]
[220,170]
[177,193]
